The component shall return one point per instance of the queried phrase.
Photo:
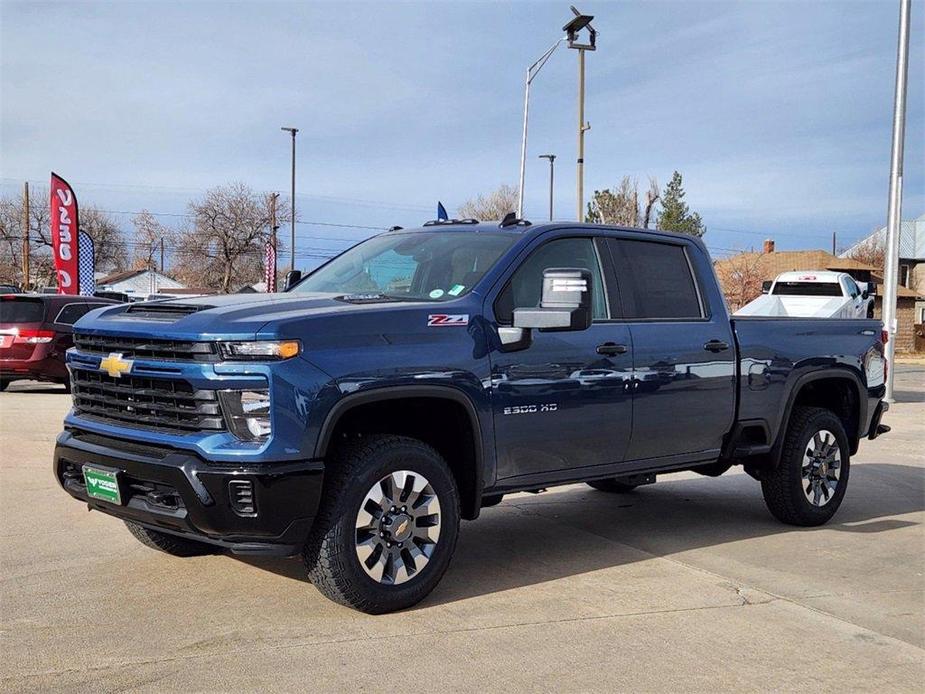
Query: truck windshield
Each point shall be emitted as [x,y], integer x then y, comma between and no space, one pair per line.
[429,266]
[807,289]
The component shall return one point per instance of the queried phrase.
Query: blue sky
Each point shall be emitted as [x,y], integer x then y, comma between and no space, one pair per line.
[777,113]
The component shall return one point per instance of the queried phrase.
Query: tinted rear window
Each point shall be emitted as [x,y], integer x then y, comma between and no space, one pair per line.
[808,289]
[17,310]
[655,280]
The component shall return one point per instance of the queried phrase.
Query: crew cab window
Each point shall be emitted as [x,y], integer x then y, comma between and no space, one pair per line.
[524,288]
[655,280]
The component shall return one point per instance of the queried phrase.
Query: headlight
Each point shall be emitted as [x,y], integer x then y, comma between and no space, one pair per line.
[260,350]
[247,413]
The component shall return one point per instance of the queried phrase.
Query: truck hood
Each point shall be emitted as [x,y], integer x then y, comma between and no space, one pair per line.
[231,316]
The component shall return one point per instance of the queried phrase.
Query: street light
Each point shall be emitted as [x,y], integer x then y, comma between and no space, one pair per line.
[572,29]
[532,72]
[292,131]
[552,174]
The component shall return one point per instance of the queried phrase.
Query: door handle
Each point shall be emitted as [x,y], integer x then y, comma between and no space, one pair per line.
[611,349]
[716,346]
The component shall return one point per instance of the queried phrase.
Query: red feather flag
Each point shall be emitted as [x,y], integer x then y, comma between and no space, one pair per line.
[64,234]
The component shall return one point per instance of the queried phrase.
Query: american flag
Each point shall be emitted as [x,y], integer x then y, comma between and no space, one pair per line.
[269,266]
[86,263]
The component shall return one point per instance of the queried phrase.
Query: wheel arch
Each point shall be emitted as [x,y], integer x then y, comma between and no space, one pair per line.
[845,397]
[398,410]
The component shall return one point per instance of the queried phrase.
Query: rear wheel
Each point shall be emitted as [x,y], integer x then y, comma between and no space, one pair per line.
[165,542]
[612,486]
[3,385]
[809,483]
[387,527]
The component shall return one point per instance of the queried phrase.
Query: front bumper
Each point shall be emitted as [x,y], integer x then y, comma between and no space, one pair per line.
[177,492]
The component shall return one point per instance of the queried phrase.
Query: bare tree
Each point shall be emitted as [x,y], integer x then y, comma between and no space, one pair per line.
[108,241]
[870,251]
[492,206]
[149,235]
[224,247]
[740,277]
[615,207]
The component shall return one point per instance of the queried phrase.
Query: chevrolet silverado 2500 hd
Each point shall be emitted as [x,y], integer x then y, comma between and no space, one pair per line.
[424,373]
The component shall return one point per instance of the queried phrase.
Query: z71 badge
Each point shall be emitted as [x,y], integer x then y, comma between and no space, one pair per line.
[446,320]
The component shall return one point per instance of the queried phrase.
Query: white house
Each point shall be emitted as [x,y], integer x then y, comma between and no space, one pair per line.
[138,283]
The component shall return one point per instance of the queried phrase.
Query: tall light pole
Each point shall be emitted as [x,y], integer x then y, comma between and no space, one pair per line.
[532,72]
[572,29]
[552,174]
[293,131]
[894,208]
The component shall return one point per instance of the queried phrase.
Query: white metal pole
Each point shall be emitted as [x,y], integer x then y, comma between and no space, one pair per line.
[523,148]
[894,211]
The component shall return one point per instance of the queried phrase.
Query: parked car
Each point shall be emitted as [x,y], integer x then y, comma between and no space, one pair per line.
[35,332]
[10,289]
[424,373]
[813,294]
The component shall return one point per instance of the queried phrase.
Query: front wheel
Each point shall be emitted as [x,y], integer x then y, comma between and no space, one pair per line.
[809,483]
[387,528]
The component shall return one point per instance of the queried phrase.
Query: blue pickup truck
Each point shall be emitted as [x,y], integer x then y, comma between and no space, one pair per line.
[421,375]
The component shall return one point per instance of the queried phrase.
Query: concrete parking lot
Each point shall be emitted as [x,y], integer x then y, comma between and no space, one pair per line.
[685,585]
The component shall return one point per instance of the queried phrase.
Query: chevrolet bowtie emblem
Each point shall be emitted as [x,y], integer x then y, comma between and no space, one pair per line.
[115,365]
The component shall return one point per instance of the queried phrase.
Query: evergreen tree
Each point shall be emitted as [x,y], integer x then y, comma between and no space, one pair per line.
[675,214]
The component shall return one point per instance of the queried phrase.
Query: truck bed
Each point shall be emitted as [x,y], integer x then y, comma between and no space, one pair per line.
[775,353]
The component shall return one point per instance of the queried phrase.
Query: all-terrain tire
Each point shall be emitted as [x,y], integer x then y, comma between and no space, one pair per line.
[330,553]
[171,544]
[612,486]
[783,488]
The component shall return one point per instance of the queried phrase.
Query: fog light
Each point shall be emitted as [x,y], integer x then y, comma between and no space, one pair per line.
[247,413]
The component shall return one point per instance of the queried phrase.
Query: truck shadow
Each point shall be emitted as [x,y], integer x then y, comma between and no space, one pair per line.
[528,540]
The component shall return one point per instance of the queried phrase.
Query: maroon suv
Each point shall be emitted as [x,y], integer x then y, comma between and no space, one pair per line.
[36,331]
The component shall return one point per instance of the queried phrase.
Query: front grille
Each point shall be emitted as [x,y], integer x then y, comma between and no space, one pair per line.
[159,403]
[146,348]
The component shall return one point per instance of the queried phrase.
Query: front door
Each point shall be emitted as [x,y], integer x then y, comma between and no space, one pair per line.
[566,400]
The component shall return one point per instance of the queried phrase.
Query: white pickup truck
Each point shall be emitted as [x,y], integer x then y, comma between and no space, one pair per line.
[813,294]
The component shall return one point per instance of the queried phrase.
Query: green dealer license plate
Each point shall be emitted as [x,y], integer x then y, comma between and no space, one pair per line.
[102,484]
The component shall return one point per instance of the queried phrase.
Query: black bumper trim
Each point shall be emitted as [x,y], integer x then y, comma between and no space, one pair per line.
[177,492]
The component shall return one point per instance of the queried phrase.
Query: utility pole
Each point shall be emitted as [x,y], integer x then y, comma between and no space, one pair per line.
[162,254]
[833,243]
[894,208]
[572,29]
[552,174]
[273,227]
[25,236]
[292,131]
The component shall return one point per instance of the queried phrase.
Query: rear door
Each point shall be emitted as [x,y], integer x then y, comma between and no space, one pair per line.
[683,349]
